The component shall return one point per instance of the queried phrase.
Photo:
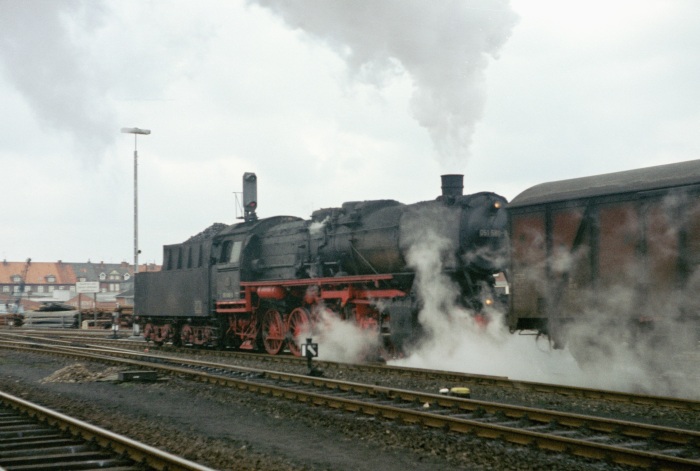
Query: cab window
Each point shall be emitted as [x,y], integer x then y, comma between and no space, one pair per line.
[230,251]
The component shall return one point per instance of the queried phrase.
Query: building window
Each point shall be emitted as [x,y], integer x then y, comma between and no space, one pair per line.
[126,276]
[39,289]
[103,276]
[81,279]
[51,279]
[5,289]
[16,278]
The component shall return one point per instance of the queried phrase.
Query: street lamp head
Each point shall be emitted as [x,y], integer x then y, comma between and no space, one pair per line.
[136,131]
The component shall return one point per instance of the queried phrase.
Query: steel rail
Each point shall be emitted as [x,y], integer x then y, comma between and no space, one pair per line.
[542,415]
[56,449]
[466,378]
[449,417]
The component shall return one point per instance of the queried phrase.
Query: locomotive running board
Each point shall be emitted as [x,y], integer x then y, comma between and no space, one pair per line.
[328,289]
[321,281]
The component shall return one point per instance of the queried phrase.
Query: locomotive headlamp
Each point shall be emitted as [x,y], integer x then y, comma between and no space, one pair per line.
[488,302]
[497,205]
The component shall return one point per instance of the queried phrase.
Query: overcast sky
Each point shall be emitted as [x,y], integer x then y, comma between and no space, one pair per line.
[327,101]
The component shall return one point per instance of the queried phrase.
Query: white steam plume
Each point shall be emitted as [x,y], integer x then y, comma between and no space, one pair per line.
[445,322]
[317,227]
[454,341]
[346,341]
[443,46]
[340,340]
[609,353]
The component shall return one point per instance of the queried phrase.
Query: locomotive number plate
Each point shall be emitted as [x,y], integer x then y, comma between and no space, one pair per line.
[490,233]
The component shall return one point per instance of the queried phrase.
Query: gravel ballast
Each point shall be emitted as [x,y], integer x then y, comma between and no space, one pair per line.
[227,429]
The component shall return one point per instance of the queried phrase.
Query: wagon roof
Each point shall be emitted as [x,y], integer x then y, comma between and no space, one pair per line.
[630,181]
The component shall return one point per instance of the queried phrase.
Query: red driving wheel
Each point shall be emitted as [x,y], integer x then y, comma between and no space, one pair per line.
[299,322]
[273,333]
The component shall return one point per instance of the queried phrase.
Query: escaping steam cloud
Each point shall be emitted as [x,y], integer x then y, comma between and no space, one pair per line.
[346,341]
[429,253]
[455,342]
[317,227]
[601,352]
[443,46]
[340,340]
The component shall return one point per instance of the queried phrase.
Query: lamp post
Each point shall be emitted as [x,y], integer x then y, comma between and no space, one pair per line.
[136,132]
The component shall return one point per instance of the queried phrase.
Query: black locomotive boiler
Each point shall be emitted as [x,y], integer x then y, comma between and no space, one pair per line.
[259,284]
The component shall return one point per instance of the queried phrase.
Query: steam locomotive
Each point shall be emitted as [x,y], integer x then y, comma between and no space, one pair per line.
[262,284]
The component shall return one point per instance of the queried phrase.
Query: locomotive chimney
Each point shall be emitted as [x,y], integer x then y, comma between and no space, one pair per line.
[452,185]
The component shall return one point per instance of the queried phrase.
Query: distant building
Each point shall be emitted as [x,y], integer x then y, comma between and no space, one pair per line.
[37,282]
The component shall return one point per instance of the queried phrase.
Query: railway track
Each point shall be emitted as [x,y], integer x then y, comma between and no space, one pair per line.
[382,369]
[33,437]
[617,441]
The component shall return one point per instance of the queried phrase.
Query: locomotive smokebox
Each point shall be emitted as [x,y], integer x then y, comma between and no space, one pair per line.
[452,185]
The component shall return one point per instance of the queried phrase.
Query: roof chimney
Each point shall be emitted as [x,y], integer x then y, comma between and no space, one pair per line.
[452,185]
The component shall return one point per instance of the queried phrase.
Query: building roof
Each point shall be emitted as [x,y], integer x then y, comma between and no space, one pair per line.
[91,271]
[66,273]
[37,272]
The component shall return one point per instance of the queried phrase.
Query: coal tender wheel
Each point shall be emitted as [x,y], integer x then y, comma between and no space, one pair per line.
[298,325]
[273,332]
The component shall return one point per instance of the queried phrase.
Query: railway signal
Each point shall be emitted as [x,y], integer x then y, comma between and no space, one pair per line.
[310,350]
[250,196]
